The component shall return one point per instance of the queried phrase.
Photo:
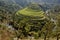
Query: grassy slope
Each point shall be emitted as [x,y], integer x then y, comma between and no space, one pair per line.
[31,12]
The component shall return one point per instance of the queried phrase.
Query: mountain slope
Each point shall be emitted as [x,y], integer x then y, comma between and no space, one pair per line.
[32,11]
[9,6]
[24,3]
[46,1]
[38,1]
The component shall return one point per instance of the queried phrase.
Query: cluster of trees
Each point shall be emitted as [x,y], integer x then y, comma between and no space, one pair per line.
[34,28]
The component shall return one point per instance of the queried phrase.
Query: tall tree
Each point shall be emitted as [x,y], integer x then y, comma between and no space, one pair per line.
[58,27]
[47,29]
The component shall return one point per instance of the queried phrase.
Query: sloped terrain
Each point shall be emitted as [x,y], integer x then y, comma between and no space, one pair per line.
[32,11]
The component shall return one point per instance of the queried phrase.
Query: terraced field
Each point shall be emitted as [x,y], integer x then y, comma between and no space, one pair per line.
[31,12]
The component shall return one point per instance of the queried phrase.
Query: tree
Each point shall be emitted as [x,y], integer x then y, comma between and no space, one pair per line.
[48,28]
[58,27]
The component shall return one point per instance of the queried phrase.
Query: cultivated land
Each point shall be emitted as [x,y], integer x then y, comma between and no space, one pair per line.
[31,12]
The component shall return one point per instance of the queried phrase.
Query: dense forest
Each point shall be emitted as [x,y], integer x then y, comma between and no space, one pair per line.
[29,19]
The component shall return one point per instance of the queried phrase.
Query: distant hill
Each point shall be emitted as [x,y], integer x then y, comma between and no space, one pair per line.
[47,4]
[47,1]
[38,1]
[24,3]
[18,4]
[9,6]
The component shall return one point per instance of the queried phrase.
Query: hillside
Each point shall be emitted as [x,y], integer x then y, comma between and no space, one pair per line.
[9,5]
[29,19]
[32,11]
[25,2]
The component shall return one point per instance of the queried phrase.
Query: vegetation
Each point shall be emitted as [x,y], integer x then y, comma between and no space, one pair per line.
[31,21]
